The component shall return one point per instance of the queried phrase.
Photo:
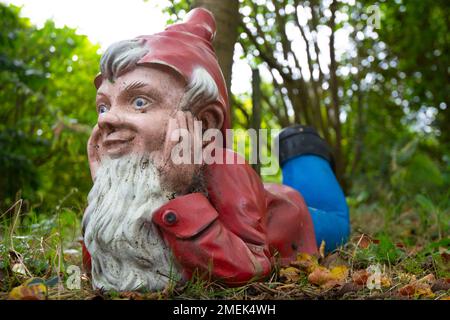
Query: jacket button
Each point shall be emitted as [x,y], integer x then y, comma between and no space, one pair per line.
[170,217]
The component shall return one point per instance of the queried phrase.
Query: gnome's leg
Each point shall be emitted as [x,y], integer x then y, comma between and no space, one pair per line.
[307,166]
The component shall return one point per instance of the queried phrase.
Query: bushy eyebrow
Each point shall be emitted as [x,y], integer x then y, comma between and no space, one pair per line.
[101,95]
[131,88]
[135,85]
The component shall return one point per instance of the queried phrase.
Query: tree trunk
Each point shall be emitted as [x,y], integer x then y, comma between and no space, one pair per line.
[227,18]
[256,116]
[334,87]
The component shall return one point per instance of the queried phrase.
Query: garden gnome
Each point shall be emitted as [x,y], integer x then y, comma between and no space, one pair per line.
[151,220]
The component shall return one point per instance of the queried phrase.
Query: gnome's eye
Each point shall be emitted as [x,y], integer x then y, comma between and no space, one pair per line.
[140,103]
[102,109]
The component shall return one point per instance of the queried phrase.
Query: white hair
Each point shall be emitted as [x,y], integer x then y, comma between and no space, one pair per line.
[127,252]
[201,91]
[121,57]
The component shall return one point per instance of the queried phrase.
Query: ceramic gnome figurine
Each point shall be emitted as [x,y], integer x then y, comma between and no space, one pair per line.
[149,219]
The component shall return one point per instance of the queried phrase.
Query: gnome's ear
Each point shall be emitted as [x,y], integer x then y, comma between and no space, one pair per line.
[199,22]
[211,116]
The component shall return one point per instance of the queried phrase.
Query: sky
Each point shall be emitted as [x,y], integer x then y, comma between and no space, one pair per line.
[103,21]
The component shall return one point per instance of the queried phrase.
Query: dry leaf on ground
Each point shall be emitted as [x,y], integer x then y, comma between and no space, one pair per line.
[441,285]
[419,288]
[305,262]
[32,289]
[350,287]
[360,277]
[385,281]
[322,249]
[362,241]
[291,274]
[317,274]
[333,260]
[324,277]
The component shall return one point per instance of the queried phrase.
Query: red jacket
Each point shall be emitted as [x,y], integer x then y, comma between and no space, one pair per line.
[239,231]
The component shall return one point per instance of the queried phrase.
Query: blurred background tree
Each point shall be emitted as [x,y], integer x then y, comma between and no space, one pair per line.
[46,92]
[370,76]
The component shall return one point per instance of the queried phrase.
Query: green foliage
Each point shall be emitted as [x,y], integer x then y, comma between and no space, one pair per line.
[421,48]
[36,241]
[429,259]
[384,252]
[46,111]
[415,172]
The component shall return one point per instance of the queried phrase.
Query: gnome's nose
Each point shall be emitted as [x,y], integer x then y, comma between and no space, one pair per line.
[109,122]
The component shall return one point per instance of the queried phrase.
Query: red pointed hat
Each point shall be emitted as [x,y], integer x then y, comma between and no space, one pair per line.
[186,46]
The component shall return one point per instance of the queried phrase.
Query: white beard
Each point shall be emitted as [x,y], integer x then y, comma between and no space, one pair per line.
[127,252]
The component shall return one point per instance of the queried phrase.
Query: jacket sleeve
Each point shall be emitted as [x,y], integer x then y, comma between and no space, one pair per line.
[200,242]
[226,241]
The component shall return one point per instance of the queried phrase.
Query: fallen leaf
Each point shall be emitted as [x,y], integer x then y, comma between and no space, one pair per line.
[385,281]
[324,277]
[445,254]
[407,291]
[360,277]
[363,241]
[441,285]
[305,262]
[19,268]
[405,277]
[320,276]
[291,274]
[350,287]
[322,249]
[131,295]
[424,291]
[429,279]
[32,289]
[333,260]
[400,245]
[419,288]
[339,272]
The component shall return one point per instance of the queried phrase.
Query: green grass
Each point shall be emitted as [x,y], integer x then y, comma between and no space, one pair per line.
[411,241]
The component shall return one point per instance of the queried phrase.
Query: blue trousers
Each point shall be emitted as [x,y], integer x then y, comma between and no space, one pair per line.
[313,177]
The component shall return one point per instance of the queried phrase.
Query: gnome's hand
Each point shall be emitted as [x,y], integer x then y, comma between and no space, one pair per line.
[93,151]
[177,169]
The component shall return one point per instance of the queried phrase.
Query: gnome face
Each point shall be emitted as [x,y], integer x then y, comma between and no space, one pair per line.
[160,75]
[148,111]
[135,109]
